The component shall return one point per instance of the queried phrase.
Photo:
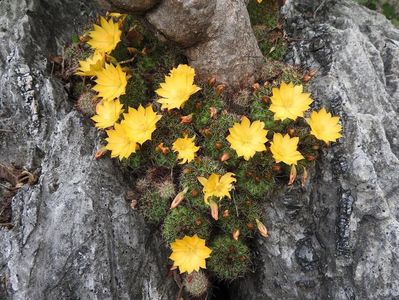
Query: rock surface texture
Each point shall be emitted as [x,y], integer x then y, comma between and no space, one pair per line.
[339,237]
[216,36]
[74,235]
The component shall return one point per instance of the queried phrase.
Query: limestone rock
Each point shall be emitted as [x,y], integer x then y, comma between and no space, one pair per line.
[338,238]
[134,6]
[74,234]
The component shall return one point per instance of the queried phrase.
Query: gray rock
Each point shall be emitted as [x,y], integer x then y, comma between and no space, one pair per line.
[231,53]
[74,234]
[134,6]
[184,22]
[339,237]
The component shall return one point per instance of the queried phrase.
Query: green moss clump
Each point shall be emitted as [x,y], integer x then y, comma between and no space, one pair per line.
[120,53]
[239,214]
[200,105]
[136,92]
[183,221]
[77,89]
[265,13]
[255,177]
[230,259]
[154,207]
[215,143]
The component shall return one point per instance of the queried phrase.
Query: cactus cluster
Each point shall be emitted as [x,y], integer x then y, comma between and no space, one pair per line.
[169,193]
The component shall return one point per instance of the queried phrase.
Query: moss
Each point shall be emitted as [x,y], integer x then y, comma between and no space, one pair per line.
[154,207]
[183,221]
[389,11]
[274,47]
[214,140]
[385,7]
[276,51]
[255,177]
[77,88]
[136,92]
[265,13]
[265,20]
[200,105]
[136,162]
[240,214]
[120,53]
[230,259]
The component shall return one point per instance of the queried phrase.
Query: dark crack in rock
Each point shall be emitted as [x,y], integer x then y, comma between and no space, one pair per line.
[306,255]
[345,207]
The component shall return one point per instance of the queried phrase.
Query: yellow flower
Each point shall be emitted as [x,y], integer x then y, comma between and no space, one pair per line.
[289,101]
[324,126]
[119,142]
[178,87]
[284,149]
[246,138]
[259,1]
[107,113]
[217,185]
[189,253]
[91,65]
[140,123]
[186,149]
[111,82]
[104,38]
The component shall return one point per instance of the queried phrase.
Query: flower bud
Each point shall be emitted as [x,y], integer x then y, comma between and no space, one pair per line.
[266,99]
[212,81]
[316,147]
[161,148]
[256,87]
[100,153]
[226,213]
[276,167]
[220,88]
[214,112]
[186,119]
[293,174]
[305,177]
[218,145]
[262,229]
[178,199]
[310,157]
[236,234]
[186,171]
[225,157]
[214,210]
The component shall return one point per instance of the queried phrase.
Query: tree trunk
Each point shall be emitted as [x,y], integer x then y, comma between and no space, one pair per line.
[216,35]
